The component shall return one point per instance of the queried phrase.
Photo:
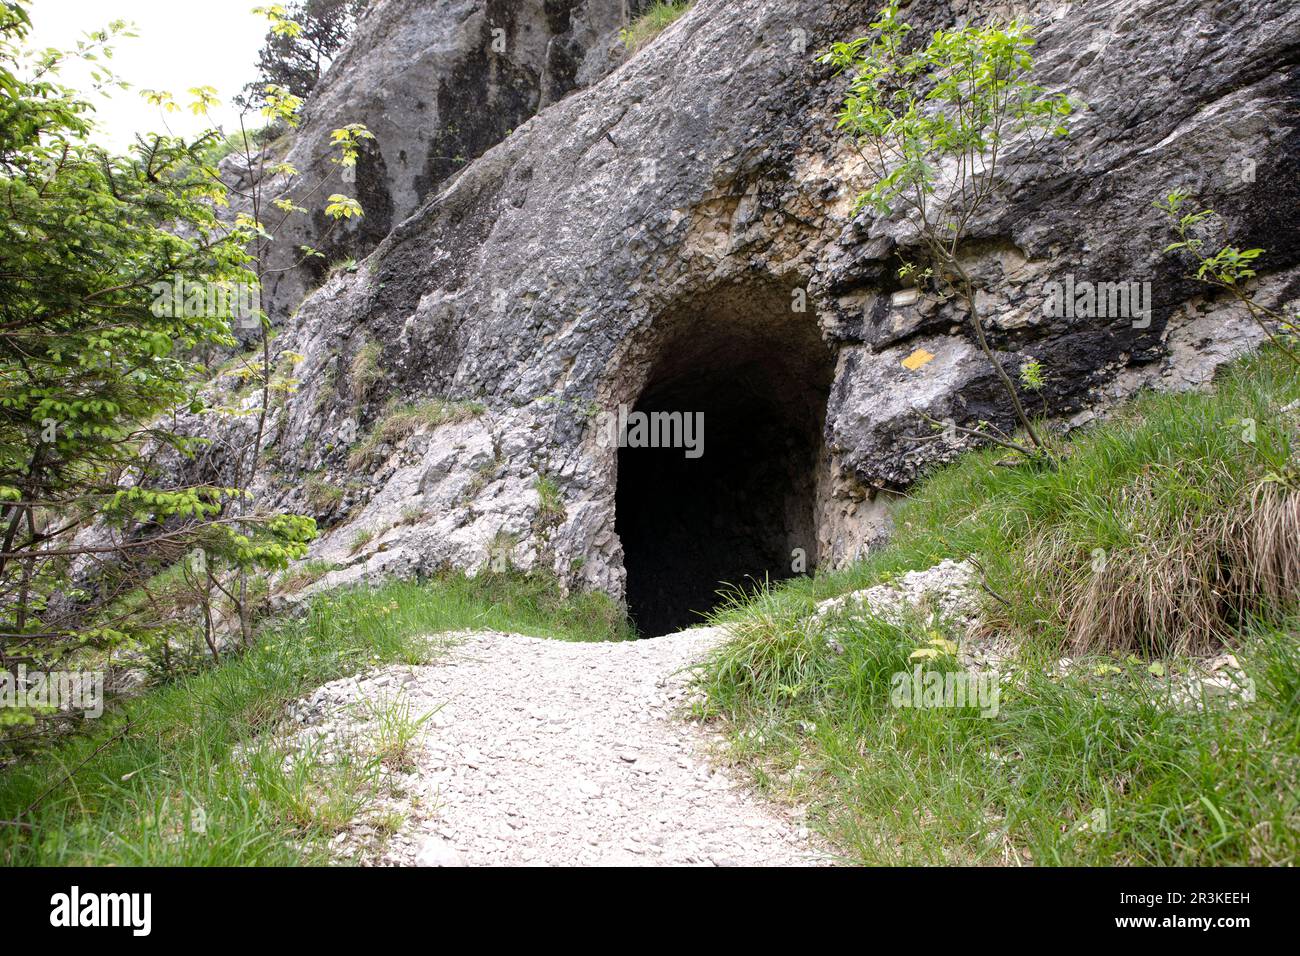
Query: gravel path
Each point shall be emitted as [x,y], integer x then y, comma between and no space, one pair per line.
[549,752]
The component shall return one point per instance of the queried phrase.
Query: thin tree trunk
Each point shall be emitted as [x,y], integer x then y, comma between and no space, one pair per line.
[1008,386]
[209,636]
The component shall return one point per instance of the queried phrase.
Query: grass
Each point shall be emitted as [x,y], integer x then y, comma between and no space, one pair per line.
[661,15]
[550,500]
[366,373]
[322,494]
[1165,532]
[397,732]
[399,421]
[302,574]
[191,774]
[360,539]
[1074,770]
[1173,522]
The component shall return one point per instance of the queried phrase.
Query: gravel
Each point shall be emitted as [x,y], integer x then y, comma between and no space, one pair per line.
[544,752]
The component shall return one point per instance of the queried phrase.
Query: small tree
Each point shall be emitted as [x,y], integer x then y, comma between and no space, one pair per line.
[100,260]
[1203,238]
[295,59]
[93,375]
[935,124]
[267,203]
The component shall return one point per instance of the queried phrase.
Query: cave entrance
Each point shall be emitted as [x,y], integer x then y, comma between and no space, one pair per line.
[740,506]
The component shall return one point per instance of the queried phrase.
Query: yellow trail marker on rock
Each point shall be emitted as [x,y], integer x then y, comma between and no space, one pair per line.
[917,359]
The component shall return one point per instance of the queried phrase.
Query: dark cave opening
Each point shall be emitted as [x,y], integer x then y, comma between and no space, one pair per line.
[757,374]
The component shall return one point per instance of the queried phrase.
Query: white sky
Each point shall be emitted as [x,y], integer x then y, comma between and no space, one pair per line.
[180,44]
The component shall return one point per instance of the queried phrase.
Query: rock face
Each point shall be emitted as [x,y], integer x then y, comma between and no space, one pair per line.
[679,236]
[438,82]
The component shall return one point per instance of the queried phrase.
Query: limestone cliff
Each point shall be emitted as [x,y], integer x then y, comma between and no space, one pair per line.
[676,233]
[438,82]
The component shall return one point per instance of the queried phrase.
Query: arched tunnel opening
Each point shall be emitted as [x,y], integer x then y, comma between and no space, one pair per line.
[733,502]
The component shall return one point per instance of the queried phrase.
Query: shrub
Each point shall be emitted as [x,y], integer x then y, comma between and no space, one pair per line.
[98,364]
[957,103]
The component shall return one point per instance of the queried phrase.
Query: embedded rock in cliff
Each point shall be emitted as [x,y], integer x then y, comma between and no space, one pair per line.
[438,82]
[679,236]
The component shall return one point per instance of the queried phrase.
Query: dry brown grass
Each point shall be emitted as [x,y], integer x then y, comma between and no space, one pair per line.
[400,421]
[1182,586]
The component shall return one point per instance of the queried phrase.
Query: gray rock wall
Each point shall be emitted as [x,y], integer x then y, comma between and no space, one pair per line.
[438,82]
[687,219]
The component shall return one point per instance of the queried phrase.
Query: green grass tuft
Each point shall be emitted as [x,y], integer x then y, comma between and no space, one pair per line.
[661,15]
[399,421]
[366,373]
[302,574]
[322,494]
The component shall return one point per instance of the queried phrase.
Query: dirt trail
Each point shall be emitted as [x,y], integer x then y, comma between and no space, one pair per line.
[549,752]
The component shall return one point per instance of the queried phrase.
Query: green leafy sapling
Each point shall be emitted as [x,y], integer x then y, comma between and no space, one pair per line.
[936,124]
[268,203]
[1202,238]
[93,375]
